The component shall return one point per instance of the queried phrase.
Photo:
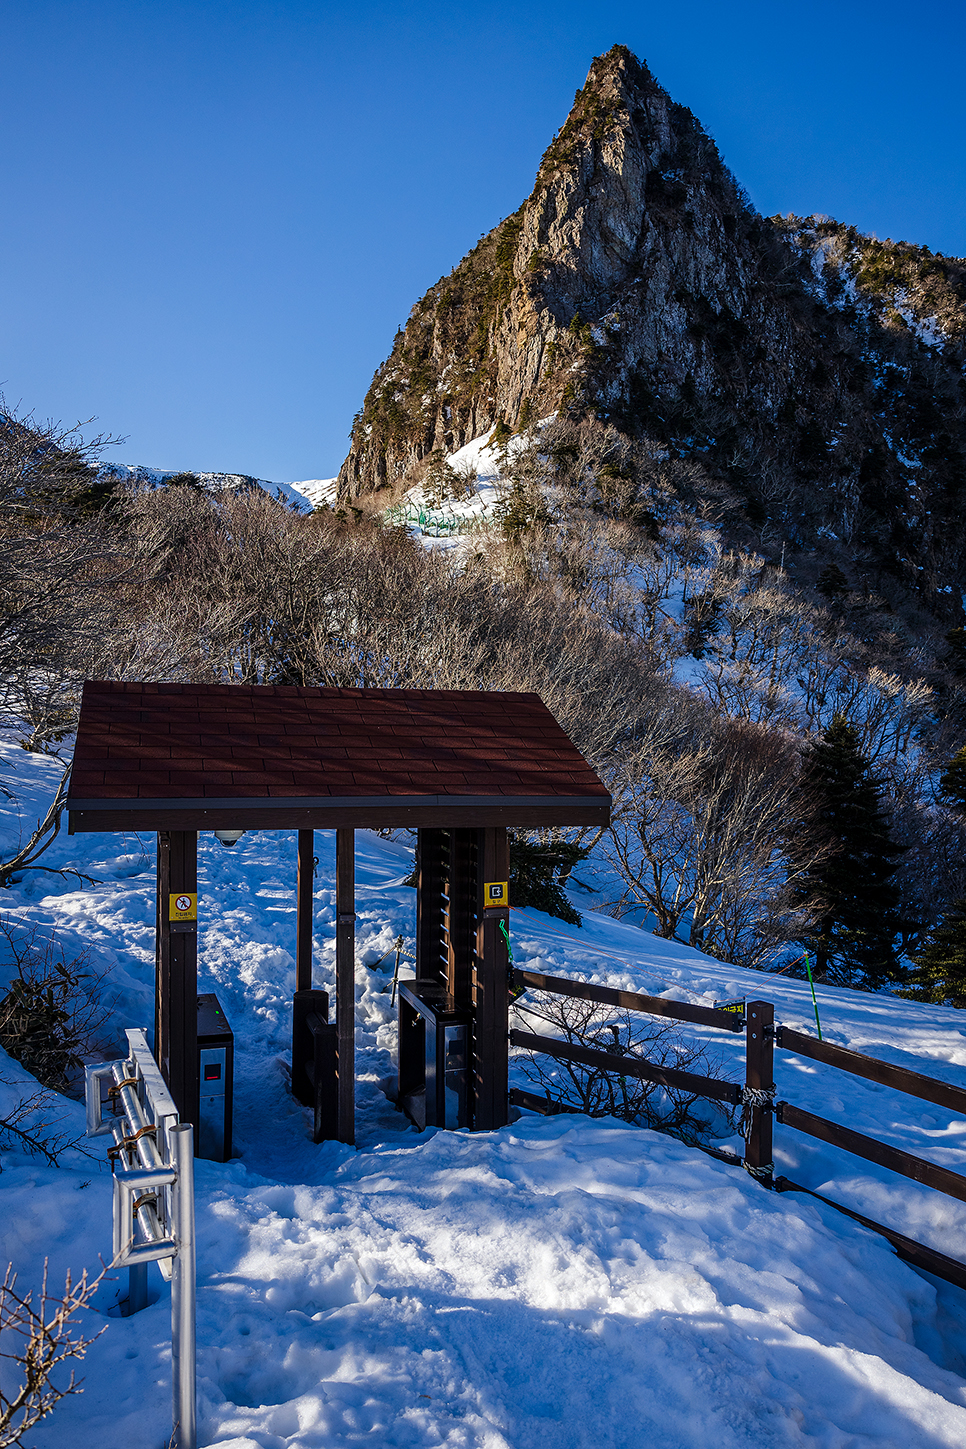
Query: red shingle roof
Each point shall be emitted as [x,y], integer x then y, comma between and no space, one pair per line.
[175,745]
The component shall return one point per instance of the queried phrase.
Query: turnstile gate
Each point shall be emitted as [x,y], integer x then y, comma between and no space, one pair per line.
[434,1056]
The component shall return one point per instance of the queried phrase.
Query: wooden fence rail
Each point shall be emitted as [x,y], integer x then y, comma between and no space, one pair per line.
[629,1000]
[628,1067]
[762,1035]
[951,1183]
[944,1094]
[906,1248]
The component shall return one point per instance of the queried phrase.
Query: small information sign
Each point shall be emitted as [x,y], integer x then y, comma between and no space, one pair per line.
[496,893]
[738,1006]
[183,906]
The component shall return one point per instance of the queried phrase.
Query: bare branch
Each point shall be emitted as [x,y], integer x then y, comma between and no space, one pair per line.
[47,1331]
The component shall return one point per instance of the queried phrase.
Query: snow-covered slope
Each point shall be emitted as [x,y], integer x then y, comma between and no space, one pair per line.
[294,493]
[564,1283]
[449,523]
[318,491]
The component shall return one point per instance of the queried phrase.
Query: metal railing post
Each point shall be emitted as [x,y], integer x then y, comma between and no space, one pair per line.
[137,1287]
[154,1205]
[184,1410]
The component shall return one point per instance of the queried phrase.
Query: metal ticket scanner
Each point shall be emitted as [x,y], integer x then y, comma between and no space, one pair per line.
[216,1074]
[434,1055]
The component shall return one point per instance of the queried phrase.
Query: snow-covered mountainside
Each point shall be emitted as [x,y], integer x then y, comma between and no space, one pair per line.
[814,374]
[293,493]
[562,1283]
[318,491]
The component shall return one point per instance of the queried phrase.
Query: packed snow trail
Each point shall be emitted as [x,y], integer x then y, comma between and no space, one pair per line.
[563,1283]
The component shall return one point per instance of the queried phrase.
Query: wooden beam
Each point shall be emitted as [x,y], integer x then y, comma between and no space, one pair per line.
[491,990]
[906,1248]
[546,1106]
[345,978]
[569,1051]
[916,1084]
[305,876]
[176,973]
[629,1000]
[432,849]
[259,814]
[461,915]
[928,1173]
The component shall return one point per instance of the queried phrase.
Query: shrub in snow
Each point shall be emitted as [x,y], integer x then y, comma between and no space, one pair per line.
[50,1011]
[602,1093]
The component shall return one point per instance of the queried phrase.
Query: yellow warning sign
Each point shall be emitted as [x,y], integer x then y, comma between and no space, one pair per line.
[496,893]
[183,907]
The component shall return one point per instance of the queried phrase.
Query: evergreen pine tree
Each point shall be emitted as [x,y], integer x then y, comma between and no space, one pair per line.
[940,967]
[832,582]
[952,782]
[538,874]
[852,884]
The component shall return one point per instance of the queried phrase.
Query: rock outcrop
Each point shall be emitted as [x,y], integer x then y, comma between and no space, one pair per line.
[819,373]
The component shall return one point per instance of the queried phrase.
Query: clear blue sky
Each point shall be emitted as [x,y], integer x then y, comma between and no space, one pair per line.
[217,212]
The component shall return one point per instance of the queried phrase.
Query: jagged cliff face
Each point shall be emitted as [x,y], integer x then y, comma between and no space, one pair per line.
[818,373]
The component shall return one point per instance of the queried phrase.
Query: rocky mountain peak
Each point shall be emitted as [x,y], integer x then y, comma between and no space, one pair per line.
[816,372]
[502,336]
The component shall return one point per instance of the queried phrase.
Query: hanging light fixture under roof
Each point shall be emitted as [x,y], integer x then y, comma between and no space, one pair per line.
[229,837]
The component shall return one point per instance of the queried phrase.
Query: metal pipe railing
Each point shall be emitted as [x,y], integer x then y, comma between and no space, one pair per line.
[154,1209]
[183,1346]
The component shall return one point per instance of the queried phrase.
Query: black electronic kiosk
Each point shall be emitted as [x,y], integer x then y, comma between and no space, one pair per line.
[434,1056]
[216,1070]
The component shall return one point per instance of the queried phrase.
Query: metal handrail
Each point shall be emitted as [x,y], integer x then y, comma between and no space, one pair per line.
[154,1204]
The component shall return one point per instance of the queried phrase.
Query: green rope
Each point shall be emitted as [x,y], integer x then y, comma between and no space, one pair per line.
[515,991]
[814,1002]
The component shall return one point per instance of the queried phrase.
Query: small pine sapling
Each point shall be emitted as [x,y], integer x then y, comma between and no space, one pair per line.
[850,884]
[939,973]
[952,782]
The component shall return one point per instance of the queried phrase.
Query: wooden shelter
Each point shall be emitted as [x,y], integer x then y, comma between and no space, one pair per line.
[458,766]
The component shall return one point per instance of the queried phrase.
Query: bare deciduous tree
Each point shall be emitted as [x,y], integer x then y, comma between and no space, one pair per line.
[57,557]
[701,809]
[43,1327]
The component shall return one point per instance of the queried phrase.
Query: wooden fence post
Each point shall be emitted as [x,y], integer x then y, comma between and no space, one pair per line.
[345,978]
[760,1085]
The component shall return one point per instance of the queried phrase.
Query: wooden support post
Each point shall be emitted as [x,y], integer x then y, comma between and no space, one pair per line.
[176,973]
[345,978]
[760,1077]
[303,910]
[461,915]
[431,870]
[491,989]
